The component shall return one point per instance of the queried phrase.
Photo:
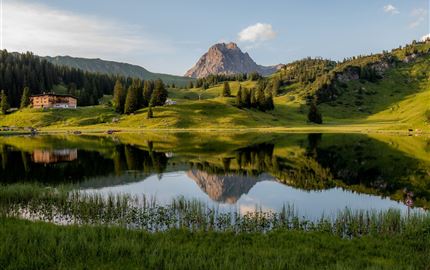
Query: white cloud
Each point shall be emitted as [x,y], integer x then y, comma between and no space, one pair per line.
[47,31]
[420,15]
[257,33]
[391,9]
[425,37]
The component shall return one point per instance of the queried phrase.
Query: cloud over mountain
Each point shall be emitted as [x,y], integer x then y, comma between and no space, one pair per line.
[257,33]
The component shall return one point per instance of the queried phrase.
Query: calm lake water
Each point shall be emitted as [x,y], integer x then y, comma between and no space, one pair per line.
[316,173]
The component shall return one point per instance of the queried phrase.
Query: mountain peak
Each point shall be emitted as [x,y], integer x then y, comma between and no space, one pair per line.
[226,58]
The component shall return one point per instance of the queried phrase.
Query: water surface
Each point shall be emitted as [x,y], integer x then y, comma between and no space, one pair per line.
[316,173]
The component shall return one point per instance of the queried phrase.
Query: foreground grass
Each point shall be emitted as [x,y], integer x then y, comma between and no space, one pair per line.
[27,245]
[102,240]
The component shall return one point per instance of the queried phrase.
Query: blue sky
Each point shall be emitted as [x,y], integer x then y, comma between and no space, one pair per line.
[170,36]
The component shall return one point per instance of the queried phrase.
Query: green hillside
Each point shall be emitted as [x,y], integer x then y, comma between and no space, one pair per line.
[115,68]
[387,91]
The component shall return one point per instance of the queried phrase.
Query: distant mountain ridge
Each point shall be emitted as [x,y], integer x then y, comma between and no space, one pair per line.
[114,68]
[227,59]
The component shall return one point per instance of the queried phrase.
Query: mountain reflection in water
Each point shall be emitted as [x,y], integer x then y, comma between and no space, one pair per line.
[230,170]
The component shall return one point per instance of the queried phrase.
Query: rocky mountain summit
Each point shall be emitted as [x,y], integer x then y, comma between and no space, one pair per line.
[227,59]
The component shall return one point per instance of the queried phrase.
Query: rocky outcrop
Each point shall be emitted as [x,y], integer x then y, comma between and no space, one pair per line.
[227,59]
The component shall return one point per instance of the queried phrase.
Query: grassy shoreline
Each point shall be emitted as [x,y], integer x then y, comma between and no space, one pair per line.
[28,244]
[38,245]
[299,129]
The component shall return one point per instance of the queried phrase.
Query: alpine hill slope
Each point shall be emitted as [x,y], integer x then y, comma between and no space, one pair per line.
[115,68]
[386,89]
[389,91]
[227,59]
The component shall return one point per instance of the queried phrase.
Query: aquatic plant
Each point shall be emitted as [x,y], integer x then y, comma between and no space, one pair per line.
[140,212]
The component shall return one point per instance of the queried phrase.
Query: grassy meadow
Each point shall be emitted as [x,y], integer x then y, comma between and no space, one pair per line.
[25,245]
[398,102]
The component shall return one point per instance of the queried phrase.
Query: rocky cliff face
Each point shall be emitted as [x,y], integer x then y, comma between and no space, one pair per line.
[228,59]
[223,188]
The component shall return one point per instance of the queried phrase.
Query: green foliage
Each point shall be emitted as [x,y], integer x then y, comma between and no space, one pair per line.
[214,79]
[304,71]
[27,70]
[132,99]
[314,115]
[119,96]
[239,98]
[4,104]
[190,85]
[226,92]
[276,84]
[25,99]
[159,95]
[148,88]
[115,69]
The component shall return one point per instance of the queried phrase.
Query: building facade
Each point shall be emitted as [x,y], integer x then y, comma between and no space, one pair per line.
[52,100]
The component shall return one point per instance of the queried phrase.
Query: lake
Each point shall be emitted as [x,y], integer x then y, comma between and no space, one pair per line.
[317,174]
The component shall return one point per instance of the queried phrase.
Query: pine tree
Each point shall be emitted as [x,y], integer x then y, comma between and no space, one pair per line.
[314,115]
[190,85]
[226,92]
[246,98]
[148,88]
[261,100]
[71,89]
[253,99]
[159,95]
[119,96]
[275,87]
[25,98]
[150,113]
[4,104]
[131,101]
[269,105]
[239,103]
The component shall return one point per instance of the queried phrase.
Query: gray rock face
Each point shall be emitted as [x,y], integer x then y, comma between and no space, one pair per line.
[224,188]
[227,59]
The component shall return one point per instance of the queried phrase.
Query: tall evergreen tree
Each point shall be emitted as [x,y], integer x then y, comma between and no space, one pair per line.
[239,98]
[4,104]
[226,92]
[148,88]
[253,99]
[132,100]
[275,87]
[72,89]
[25,98]
[269,105]
[261,100]
[246,98]
[119,96]
[159,95]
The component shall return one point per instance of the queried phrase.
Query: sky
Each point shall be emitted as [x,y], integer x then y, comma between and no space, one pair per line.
[169,36]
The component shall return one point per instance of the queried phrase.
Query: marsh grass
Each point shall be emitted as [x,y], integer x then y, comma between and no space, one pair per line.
[60,206]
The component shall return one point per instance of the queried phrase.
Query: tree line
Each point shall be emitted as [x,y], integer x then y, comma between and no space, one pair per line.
[259,98]
[139,94]
[214,79]
[18,71]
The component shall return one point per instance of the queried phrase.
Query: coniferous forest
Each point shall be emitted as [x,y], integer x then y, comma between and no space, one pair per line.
[18,71]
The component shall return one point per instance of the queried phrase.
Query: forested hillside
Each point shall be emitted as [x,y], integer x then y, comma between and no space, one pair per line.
[27,70]
[115,68]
